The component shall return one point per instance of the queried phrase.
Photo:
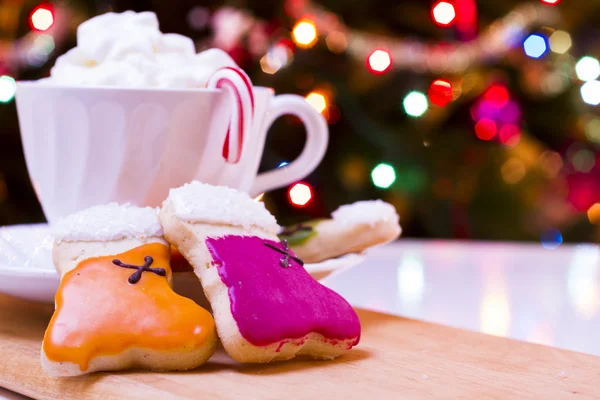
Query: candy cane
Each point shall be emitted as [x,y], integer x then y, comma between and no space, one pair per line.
[238,85]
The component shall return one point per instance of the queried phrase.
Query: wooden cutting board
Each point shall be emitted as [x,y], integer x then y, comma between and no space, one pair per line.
[397,358]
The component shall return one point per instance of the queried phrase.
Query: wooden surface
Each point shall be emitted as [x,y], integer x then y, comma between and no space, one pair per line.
[397,358]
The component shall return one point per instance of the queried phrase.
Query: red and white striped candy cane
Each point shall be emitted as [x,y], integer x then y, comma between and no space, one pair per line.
[238,85]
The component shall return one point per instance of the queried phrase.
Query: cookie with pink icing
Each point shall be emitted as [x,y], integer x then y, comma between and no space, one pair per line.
[352,228]
[266,306]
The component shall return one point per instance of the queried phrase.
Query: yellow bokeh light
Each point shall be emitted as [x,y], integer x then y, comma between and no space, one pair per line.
[560,42]
[336,42]
[594,214]
[305,33]
[317,100]
[513,171]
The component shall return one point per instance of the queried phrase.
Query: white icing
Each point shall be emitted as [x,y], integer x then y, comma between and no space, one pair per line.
[108,222]
[129,50]
[366,212]
[200,202]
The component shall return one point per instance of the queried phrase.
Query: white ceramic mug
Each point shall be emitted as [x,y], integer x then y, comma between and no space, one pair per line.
[86,146]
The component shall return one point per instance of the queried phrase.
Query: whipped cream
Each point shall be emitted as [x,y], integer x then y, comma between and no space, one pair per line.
[128,50]
[108,222]
[204,203]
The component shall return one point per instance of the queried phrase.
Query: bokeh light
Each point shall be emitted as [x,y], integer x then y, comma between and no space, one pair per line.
[587,68]
[560,42]
[594,214]
[497,95]
[282,164]
[509,135]
[513,170]
[415,104]
[383,176]
[317,100]
[592,130]
[8,88]
[305,33]
[443,13]
[300,194]
[583,160]
[551,2]
[535,45]
[41,18]
[198,18]
[440,92]
[379,62]
[551,239]
[590,92]
[485,129]
[336,42]
[510,113]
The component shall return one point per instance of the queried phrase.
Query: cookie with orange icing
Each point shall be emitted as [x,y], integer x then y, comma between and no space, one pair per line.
[266,306]
[115,307]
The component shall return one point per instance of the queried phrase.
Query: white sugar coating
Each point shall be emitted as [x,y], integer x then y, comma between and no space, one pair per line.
[108,222]
[366,212]
[201,202]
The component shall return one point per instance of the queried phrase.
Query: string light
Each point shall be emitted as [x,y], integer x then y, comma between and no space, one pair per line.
[560,42]
[305,33]
[41,18]
[510,135]
[485,129]
[513,171]
[590,93]
[535,45]
[415,104]
[497,95]
[336,42]
[587,69]
[8,88]
[593,214]
[383,175]
[317,100]
[551,239]
[440,92]
[379,62]
[300,194]
[443,13]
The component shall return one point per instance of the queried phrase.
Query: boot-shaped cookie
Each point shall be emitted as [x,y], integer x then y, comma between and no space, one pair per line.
[115,308]
[266,306]
[352,228]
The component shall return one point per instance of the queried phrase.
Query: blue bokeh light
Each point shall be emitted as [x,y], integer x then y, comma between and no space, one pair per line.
[551,239]
[535,45]
[282,164]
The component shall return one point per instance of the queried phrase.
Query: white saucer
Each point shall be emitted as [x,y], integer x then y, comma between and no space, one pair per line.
[27,271]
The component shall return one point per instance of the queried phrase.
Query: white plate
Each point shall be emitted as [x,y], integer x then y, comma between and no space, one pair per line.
[26,268]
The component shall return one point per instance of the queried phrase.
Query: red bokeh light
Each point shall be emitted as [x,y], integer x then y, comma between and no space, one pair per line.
[443,13]
[497,95]
[551,2]
[440,92]
[300,194]
[379,61]
[485,129]
[42,18]
[510,135]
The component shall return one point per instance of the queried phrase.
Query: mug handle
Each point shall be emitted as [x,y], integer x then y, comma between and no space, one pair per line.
[317,137]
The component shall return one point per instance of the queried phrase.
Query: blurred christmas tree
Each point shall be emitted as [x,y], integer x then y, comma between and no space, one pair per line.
[475,119]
